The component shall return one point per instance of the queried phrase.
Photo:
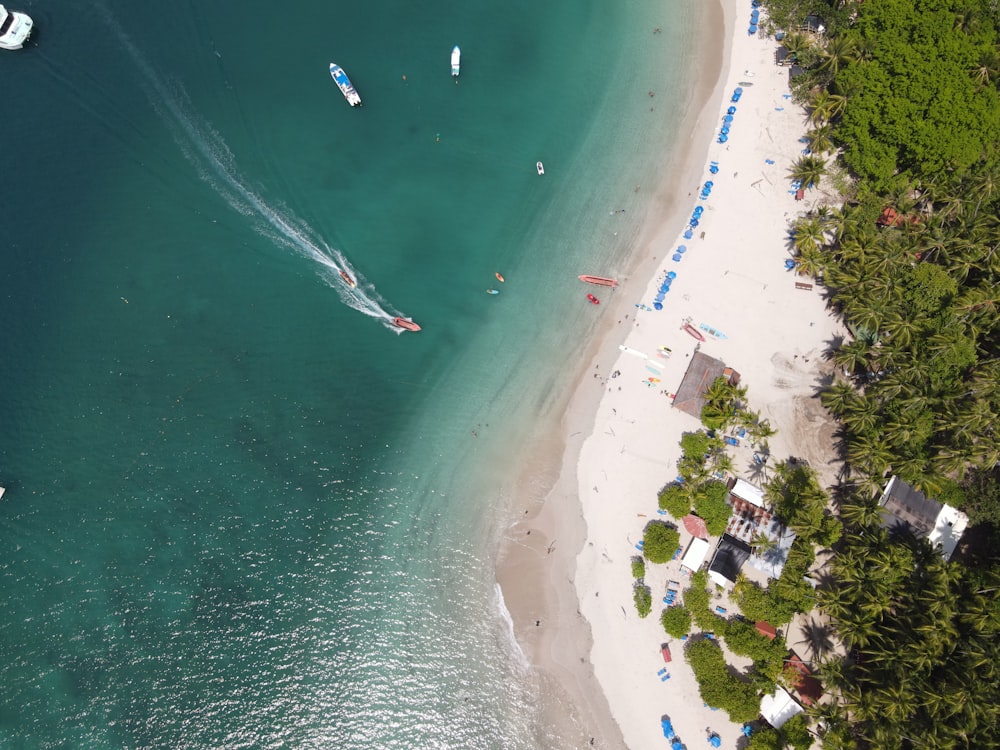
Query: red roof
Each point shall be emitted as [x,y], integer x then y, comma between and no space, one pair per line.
[890,217]
[766,628]
[809,688]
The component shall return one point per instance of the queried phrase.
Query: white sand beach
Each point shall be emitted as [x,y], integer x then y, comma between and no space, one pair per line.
[566,576]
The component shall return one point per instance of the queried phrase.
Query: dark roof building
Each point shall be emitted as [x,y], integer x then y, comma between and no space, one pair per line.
[728,560]
[941,525]
[701,373]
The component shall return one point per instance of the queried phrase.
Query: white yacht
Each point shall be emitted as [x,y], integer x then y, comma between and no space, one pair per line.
[456,60]
[15,28]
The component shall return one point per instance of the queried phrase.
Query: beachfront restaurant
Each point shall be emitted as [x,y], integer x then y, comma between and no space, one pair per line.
[753,520]
[728,560]
[701,373]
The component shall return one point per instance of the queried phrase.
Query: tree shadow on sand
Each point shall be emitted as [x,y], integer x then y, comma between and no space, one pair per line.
[818,638]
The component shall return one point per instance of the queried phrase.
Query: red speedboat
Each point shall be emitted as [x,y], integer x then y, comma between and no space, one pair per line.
[593,299]
[409,325]
[691,330]
[599,280]
[346,277]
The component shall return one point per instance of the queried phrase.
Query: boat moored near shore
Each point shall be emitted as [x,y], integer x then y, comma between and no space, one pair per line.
[598,280]
[345,85]
[540,167]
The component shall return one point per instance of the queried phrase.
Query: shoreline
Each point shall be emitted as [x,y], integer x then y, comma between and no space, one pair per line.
[619,444]
[537,561]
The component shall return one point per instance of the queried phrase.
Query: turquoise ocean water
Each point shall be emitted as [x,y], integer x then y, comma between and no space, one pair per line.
[242,510]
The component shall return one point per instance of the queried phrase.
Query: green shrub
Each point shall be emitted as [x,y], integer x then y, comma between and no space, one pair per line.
[643,600]
[696,599]
[675,499]
[795,732]
[638,568]
[765,739]
[768,655]
[718,687]
[710,504]
[660,542]
[676,621]
[757,603]
[697,448]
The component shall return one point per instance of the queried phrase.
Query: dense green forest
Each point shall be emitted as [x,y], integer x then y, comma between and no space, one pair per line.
[903,98]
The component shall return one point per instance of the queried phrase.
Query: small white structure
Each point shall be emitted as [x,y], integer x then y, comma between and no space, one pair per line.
[779,708]
[695,556]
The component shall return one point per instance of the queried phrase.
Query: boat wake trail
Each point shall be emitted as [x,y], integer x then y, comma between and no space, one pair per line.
[205,149]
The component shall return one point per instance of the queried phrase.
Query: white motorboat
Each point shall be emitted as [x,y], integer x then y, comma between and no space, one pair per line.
[540,167]
[15,28]
[345,85]
[456,60]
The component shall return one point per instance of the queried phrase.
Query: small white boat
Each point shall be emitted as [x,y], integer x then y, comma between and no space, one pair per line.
[540,167]
[15,28]
[345,85]
[456,60]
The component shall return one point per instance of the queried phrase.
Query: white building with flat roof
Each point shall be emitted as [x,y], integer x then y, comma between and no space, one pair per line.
[695,556]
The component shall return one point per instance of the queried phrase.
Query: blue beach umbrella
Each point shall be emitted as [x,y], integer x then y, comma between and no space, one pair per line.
[657,305]
[698,210]
[727,119]
[671,275]
[731,111]
[715,741]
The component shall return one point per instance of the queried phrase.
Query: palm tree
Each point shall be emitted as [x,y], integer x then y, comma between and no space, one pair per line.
[838,397]
[821,107]
[853,356]
[839,51]
[901,330]
[989,67]
[861,512]
[808,233]
[796,43]
[820,140]
[808,170]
